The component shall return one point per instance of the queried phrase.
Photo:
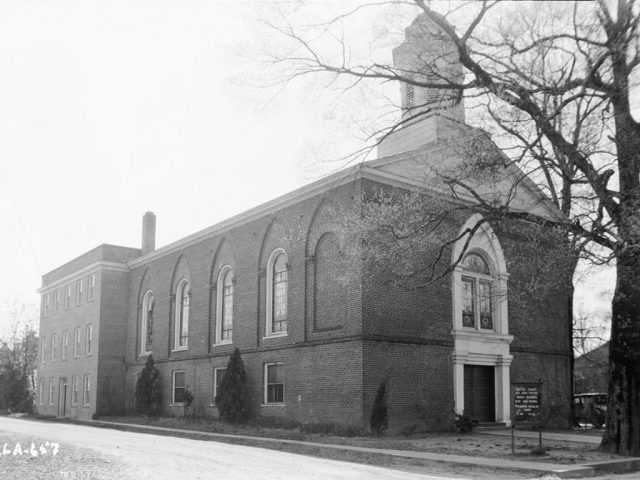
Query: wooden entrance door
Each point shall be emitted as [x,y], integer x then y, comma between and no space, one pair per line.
[479,392]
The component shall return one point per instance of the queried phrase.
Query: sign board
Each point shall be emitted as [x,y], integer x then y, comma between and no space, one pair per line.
[527,403]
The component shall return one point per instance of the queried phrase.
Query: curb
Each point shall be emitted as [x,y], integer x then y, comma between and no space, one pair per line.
[626,465]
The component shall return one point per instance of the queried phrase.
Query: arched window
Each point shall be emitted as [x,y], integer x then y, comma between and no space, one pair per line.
[477,311]
[277,287]
[146,345]
[183,295]
[224,308]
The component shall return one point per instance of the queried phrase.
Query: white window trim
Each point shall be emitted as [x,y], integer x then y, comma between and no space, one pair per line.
[43,353]
[178,308]
[41,393]
[79,291]
[76,342]
[67,296]
[88,340]
[52,387]
[65,345]
[91,287]
[173,387]
[219,312]
[477,278]
[269,293]
[144,324]
[86,388]
[265,392]
[474,346]
[74,389]
[54,342]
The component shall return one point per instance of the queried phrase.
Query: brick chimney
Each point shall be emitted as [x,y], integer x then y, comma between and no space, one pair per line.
[148,232]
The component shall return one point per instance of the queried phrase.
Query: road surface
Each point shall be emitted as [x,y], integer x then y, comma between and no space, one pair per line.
[128,455]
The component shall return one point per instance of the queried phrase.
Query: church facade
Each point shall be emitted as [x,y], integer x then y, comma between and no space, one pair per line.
[287,284]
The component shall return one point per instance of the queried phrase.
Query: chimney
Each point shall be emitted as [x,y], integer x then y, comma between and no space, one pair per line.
[148,232]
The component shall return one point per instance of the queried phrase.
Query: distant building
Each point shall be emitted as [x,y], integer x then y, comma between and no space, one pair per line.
[591,371]
[316,333]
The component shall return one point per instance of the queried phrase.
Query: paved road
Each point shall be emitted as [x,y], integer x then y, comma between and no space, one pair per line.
[157,457]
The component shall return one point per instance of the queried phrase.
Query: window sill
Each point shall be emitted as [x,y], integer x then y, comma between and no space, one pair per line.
[223,342]
[181,349]
[273,405]
[276,335]
[176,404]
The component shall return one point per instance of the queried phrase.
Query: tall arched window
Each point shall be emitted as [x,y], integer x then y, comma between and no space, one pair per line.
[146,337]
[277,287]
[183,295]
[224,309]
[477,311]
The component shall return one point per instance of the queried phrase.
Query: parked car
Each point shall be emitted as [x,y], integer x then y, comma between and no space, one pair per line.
[591,408]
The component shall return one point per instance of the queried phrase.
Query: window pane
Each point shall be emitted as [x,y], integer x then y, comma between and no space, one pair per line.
[227,306]
[475,263]
[149,324]
[468,302]
[486,317]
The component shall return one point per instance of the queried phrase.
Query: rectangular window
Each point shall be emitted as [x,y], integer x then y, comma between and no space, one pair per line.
[47,303]
[79,291]
[56,300]
[88,338]
[86,393]
[92,287]
[54,342]
[468,303]
[41,392]
[274,383]
[65,344]
[76,342]
[43,349]
[179,387]
[67,296]
[218,375]
[74,390]
[51,391]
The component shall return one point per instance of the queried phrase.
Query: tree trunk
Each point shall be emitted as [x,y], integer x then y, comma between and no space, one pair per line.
[622,434]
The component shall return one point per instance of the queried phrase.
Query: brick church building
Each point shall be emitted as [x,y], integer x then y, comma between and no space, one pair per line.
[317,334]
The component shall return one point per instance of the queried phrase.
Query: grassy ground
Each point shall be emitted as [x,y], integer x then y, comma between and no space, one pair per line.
[448,443]
[67,463]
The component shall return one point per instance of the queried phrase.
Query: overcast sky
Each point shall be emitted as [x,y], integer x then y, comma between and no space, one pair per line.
[110,109]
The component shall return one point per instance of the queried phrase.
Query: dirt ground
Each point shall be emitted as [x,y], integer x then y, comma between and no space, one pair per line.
[474,444]
[42,464]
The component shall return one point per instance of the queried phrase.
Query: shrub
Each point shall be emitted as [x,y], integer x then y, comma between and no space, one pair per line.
[379,418]
[149,389]
[463,422]
[232,399]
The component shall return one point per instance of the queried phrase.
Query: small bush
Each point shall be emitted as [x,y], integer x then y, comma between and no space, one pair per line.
[379,420]
[233,398]
[149,389]
[463,422]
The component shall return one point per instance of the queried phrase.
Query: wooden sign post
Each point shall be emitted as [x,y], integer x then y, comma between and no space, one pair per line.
[527,409]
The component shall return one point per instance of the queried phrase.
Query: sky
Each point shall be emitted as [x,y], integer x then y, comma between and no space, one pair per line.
[109,109]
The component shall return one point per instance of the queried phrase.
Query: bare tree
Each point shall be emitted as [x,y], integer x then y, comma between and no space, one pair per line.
[552,86]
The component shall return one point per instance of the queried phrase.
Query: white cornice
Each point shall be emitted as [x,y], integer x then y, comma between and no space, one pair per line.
[94,267]
[327,183]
